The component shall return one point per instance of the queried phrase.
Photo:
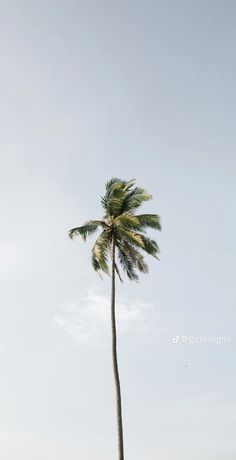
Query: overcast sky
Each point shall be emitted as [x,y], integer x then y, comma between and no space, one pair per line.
[135,89]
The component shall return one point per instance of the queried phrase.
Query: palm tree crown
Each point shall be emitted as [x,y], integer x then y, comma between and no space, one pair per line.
[124,227]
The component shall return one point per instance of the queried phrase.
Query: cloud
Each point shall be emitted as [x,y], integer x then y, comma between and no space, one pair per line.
[88,319]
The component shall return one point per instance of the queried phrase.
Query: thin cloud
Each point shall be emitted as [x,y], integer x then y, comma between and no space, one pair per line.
[88,319]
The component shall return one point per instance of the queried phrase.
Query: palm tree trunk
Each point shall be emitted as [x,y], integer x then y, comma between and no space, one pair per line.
[115,362]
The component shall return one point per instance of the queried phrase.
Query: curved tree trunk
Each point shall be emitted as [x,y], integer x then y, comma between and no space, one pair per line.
[114,361]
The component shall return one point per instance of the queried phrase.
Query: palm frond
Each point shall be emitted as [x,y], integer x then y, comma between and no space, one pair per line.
[100,253]
[126,263]
[87,229]
[128,221]
[150,246]
[134,238]
[116,192]
[113,197]
[136,257]
[134,199]
[129,184]
[118,272]
[113,181]
[149,221]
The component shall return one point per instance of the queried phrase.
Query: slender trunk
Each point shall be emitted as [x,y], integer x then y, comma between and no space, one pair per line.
[114,361]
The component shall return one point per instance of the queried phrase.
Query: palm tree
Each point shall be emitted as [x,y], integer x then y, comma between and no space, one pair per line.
[122,238]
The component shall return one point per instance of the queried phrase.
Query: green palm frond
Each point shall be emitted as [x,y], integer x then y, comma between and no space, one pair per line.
[126,263]
[128,221]
[132,237]
[135,198]
[150,246]
[100,253]
[136,257]
[129,184]
[114,196]
[116,192]
[87,229]
[118,272]
[149,221]
[113,182]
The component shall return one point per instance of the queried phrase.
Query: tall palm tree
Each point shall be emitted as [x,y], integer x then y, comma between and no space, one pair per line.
[122,238]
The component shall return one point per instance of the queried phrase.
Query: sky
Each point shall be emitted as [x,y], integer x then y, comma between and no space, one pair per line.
[134,89]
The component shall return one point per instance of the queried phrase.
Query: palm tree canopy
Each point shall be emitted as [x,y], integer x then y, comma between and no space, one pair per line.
[122,225]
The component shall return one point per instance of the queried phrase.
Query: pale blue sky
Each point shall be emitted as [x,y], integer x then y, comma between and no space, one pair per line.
[89,90]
